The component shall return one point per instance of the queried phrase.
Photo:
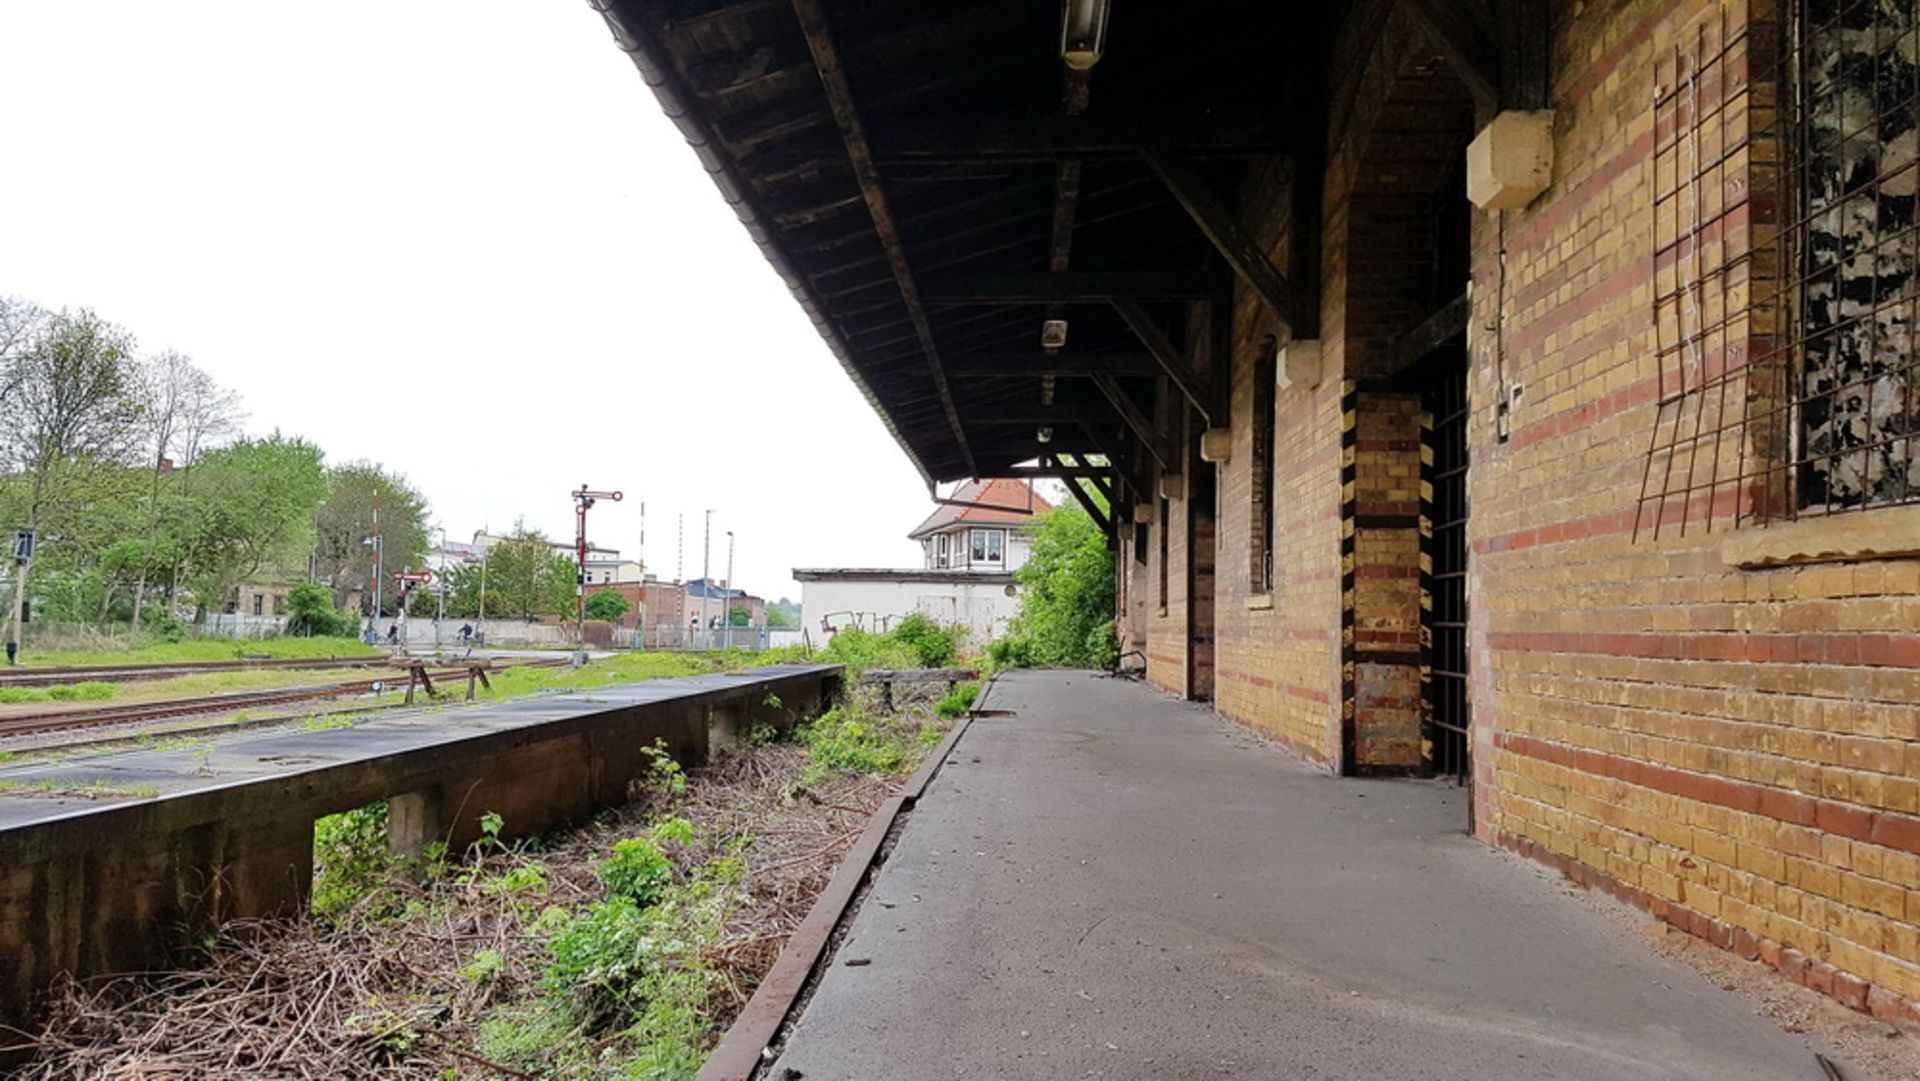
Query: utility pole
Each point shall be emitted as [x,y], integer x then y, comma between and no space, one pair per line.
[373,542]
[706,578]
[726,599]
[583,499]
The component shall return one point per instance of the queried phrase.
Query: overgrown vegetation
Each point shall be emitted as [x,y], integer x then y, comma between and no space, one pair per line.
[311,614]
[914,642]
[153,650]
[619,951]
[1066,601]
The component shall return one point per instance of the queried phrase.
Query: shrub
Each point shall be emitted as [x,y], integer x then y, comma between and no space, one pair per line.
[1066,601]
[350,857]
[935,646]
[637,870]
[841,740]
[310,614]
[608,605]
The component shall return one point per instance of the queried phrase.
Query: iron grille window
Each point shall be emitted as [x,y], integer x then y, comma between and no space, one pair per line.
[1853,68]
[1260,540]
[1164,526]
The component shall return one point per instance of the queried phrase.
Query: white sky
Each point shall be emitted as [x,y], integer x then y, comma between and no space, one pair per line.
[461,240]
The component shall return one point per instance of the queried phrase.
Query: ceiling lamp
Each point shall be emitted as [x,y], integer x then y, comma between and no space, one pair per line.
[1083,33]
[1053,334]
[1044,435]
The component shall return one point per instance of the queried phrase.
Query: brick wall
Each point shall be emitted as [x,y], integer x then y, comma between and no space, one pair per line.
[1734,747]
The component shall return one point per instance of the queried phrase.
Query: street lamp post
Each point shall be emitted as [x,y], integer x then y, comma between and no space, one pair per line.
[440,587]
[726,599]
[706,578]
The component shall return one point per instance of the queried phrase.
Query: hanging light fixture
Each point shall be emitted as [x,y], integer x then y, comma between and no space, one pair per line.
[1083,33]
[1044,435]
[1053,333]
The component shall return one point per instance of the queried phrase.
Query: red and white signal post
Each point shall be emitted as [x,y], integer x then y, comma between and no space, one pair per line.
[583,499]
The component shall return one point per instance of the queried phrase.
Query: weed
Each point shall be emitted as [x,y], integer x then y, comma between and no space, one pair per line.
[960,701]
[326,722]
[844,740]
[6,756]
[351,862]
[637,870]
[665,771]
[526,878]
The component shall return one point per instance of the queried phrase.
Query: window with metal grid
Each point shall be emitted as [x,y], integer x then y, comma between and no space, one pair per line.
[1260,530]
[1854,73]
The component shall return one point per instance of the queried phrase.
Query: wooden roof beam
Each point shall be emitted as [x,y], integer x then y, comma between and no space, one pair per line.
[833,78]
[1468,41]
[1029,365]
[1143,429]
[1228,237]
[1069,287]
[1193,385]
[1039,138]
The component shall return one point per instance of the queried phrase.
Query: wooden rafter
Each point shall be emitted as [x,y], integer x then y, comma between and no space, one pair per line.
[833,78]
[1041,138]
[1067,287]
[1223,229]
[1025,365]
[1143,429]
[1467,39]
[1173,364]
[1443,325]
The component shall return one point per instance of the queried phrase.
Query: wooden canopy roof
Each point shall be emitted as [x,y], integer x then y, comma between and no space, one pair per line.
[933,182]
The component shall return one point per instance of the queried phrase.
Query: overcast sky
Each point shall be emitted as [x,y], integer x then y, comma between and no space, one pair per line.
[460,240]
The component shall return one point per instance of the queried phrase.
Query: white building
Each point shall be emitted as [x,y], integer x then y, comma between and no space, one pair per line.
[970,548]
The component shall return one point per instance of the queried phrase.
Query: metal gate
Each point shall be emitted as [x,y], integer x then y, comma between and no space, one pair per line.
[1444,541]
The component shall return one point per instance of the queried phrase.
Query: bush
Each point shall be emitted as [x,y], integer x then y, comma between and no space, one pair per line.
[608,606]
[637,870]
[934,645]
[842,740]
[310,614]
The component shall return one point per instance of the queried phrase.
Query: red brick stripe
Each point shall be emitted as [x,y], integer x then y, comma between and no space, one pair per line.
[1844,648]
[1888,828]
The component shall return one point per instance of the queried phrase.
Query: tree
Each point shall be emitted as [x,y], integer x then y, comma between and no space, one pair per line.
[71,406]
[777,617]
[184,409]
[608,605]
[526,578]
[252,505]
[1066,602]
[344,521]
[738,616]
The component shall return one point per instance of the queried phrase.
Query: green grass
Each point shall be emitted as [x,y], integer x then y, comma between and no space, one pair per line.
[623,668]
[87,691]
[98,788]
[202,649]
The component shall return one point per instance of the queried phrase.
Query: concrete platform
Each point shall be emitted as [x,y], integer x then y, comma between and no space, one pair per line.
[1113,884]
[115,884]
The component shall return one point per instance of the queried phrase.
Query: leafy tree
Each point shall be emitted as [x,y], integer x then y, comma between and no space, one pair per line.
[526,578]
[344,521]
[70,409]
[252,505]
[608,605]
[777,617]
[739,615]
[1066,604]
[185,409]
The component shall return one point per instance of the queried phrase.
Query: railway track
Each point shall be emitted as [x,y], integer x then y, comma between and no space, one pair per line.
[134,673]
[21,724]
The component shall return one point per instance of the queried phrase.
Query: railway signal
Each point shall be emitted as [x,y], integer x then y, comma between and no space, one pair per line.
[583,500]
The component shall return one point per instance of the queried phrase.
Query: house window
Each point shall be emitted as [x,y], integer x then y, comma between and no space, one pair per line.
[1140,545]
[986,546]
[1854,75]
[259,603]
[942,550]
[926,546]
[1260,530]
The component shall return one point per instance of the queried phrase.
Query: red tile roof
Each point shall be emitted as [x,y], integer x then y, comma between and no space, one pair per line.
[998,493]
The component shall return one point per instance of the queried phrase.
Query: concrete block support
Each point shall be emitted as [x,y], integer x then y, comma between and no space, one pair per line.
[413,821]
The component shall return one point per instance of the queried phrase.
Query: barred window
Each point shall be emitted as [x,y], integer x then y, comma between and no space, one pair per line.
[1853,70]
[1260,531]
